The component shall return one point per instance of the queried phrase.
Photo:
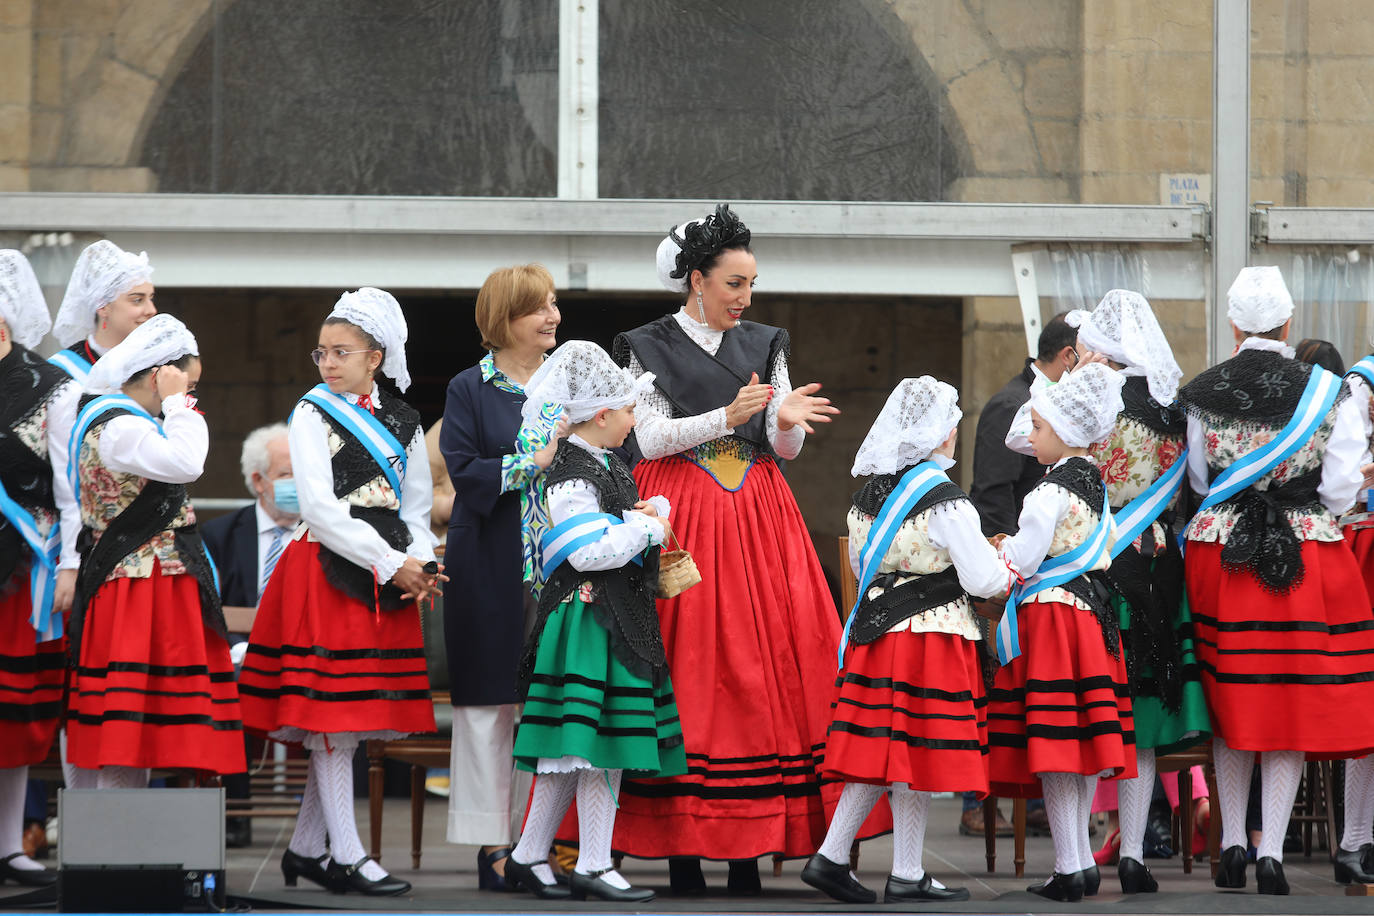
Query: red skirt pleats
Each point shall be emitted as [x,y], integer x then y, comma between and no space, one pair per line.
[32,679]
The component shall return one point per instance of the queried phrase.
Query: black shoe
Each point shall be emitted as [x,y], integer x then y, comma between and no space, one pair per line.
[520,875]
[345,878]
[584,886]
[1350,867]
[1092,880]
[487,878]
[1158,841]
[294,865]
[1269,877]
[41,877]
[1135,877]
[1068,888]
[744,878]
[899,890]
[685,878]
[835,880]
[238,832]
[1231,868]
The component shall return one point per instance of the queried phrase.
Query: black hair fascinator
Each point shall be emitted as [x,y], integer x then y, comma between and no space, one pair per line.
[703,240]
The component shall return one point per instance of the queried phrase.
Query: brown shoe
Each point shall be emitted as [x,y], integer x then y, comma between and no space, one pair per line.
[35,841]
[1037,822]
[971,823]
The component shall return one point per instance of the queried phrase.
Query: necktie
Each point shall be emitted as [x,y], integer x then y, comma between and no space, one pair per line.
[274,550]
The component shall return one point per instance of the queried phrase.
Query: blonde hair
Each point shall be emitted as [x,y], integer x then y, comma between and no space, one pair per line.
[507,294]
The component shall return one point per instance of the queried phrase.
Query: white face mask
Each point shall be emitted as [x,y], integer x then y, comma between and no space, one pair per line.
[943,462]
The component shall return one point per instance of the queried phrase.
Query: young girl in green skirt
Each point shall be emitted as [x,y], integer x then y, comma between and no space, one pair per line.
[598,699]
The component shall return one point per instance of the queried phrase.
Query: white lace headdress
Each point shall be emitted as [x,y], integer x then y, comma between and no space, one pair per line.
[919,415]
[103,273]
[378,313]
[583,378]
[668,250]
[1083,405]
[21,299]
[1259,300]
[156,342]
[1124,329]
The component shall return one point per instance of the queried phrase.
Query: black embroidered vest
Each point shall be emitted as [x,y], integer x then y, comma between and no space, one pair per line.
[27,385]
[1081,477]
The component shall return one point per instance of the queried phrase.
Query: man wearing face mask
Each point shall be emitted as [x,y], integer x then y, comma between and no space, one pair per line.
[245,545]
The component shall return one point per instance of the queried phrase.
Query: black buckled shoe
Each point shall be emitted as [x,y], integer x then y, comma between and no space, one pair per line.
[900,890]
[294,865]
[1066,888]
[40,877]
[344,878]
[1231,868]
[520,875]
[835,880]
[1135,877]
[584,886]
[1092,880]
[1349,866]
[1269,877]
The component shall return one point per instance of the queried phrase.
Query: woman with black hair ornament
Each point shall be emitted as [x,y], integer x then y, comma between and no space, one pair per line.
[752,648]
[1059,713]
[337,655]
[910,714]
[598,698]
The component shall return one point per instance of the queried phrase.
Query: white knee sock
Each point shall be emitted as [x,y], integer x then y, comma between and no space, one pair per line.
[1233,786]
[333,771]
[553,792]
[857,799]
[73,776]
[909,812]
[1061,806]
[1359,803]
[13,789]
[1280,773]
[596,806]
[308,838]
[1133,804]
[122,778]
[1087,787]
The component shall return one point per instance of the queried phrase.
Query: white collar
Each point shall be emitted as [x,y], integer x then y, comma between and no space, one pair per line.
[96,348]
[376,395]
[1067,457]
[583,444]
[1039,375]
[696,329]
[1264,343]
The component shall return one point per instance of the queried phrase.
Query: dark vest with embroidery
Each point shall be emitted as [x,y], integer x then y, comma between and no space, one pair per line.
[918,594]
[622,599]
[1082,478]
[153,511]
[353,467]
[27,384]
[697,382]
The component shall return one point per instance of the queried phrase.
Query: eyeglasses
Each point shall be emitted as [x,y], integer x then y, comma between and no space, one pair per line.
[1074,351]
[317,355]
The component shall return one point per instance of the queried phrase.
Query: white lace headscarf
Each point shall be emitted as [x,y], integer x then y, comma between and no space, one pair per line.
[1259,300]
[378,313]
[668,250]
[1124,329]
[158,341]
[918,417]
[103,273]
[583,378]
[1082,407]
[21,299]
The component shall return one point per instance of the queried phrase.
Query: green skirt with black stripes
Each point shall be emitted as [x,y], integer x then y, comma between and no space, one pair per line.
[583,702]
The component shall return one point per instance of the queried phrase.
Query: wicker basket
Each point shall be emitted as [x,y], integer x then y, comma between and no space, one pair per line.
[677,571]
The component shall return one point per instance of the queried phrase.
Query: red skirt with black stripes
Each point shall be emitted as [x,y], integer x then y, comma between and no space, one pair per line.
[154,687]
[910,707]
[32,678]
[322,662]
[1286,672]
[1062,706]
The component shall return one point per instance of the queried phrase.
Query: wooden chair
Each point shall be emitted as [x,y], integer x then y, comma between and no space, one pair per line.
[422,752]
[1315,807]
[1182,762]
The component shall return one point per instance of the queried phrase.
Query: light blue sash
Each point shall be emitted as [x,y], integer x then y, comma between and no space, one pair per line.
[384,448]
[1364,369]
[73,365]
[88,415]
[43,569]
[1140,513]
[914,484]
[567,536]
[1053,572]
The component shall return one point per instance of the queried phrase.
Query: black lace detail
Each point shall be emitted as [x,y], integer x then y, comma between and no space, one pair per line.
[361,584]
[1262,539]
[1152,587]
[1257,388]
[353,465]
[1083,479]
[1080,477]
[875,491]
[192,551]
[1144,409]
[916,596]
[622,599]
[27,385]
[1092,589]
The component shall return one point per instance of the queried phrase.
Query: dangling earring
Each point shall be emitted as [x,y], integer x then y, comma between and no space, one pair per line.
[104,324]
[4,334]
[701,310]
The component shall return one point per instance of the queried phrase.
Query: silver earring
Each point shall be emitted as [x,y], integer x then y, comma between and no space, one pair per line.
[701,309]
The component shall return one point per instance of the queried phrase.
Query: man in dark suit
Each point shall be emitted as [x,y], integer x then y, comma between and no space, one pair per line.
[245,545]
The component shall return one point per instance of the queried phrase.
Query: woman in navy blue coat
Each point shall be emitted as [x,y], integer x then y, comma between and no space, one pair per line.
[486,600]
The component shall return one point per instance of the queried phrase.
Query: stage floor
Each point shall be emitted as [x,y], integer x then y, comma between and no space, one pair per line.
[447,879]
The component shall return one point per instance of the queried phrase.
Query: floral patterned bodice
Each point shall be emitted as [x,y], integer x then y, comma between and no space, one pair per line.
[1132,458]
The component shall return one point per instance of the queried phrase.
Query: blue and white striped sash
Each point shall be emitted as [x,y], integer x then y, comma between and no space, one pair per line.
[84,420]
[72,364]
[43,569]
[384,448]
[1140,513]
[563,539]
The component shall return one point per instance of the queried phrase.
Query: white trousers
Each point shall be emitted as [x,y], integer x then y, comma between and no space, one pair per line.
[487,794]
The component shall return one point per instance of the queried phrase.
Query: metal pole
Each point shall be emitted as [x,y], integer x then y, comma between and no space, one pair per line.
[578,97]
[1230,162]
